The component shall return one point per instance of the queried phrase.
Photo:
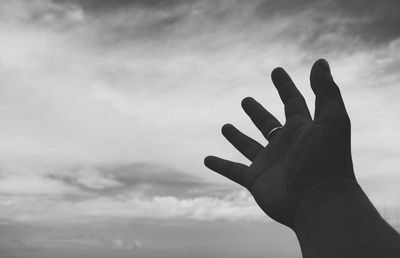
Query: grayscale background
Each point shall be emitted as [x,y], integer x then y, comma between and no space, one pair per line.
[107,109]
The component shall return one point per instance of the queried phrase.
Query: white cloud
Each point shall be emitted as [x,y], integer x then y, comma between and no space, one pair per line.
[94,179]
[123,244]
[236,206]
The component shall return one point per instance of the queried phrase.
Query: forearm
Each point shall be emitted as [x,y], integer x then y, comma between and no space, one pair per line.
[336,219]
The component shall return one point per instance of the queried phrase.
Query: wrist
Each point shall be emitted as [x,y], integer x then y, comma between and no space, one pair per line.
[335,218]
[325,206]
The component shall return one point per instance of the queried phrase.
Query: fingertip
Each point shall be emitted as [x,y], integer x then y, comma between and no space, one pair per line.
[280,77]
[246,101]
[324,65]
[321,64]
[320,76]
[225,128]
[207,161]
[277,72]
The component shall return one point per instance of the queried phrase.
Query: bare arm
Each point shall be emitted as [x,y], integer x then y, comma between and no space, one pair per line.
[336,219]
[304,177]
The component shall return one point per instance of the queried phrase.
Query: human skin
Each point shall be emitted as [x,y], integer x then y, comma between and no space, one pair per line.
[304,177]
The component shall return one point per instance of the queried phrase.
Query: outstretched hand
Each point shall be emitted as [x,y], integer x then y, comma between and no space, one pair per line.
[301,154]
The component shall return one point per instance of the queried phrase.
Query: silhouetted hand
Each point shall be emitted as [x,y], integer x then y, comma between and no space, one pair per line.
[300,155]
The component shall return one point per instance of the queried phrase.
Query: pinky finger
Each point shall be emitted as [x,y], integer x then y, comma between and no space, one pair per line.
[232,170]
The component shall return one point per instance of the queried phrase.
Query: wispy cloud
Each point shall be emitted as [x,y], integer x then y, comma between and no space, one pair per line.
[88,83]
[137,191]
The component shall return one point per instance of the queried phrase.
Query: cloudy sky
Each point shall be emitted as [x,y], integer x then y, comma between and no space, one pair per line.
[107,109]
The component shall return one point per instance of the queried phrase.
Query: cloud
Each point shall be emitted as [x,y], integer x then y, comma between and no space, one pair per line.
[43,12]
[135,191]
[141,179]
[69,241]
[361,22]
[20,181]
[122,244]
[107,109]
[314,25]
[92,178]
[236,206]
[107,6]
[88,87]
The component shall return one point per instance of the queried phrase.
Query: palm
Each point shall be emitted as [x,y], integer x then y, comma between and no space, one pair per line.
[299,155]
[276,167]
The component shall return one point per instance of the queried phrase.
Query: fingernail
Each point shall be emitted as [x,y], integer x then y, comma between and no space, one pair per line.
[324,65]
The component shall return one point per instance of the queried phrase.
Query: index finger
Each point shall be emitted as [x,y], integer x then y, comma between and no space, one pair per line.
[232,170]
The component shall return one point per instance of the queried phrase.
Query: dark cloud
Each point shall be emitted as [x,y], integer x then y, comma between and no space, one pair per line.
[365,22]
[108,5]
[374,21]
[267,8]
[317,26]
[147,30]
[146,179]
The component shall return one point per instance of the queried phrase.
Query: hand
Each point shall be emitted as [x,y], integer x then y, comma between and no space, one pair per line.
[304,153]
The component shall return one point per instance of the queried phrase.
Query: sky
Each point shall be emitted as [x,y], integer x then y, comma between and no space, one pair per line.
[107,109]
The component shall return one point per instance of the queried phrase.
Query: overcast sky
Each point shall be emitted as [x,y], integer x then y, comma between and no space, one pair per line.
[107,109]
